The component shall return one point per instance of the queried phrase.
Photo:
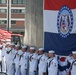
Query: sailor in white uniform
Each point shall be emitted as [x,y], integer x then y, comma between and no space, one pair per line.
[33,61]
[11,57]
[24,59]
[17,59]
[42,60]
[63,66]
[52,63]
[7,54]
[3,56]
[73,63]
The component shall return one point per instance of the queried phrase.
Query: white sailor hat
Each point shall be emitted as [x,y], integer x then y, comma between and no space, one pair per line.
[51,51]
[32,48]
[17,45]
[41,49]
[24,46]
[73,52]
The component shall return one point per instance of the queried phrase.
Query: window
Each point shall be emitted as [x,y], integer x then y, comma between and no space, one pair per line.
[14,1]
[23,11]
[13,22]
[3,22]
[17,10]
[18,1]
[3,11]
[23,1]
[2,1]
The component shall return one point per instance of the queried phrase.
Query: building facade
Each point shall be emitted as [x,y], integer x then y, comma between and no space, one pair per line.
[12,15]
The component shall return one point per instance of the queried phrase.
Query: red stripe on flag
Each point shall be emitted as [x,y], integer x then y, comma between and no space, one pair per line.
[57,4]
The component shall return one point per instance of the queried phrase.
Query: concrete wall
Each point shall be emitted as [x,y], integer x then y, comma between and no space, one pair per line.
[34,23]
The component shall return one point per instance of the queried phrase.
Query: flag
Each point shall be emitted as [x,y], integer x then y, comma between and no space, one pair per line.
[59,17]
[5,34]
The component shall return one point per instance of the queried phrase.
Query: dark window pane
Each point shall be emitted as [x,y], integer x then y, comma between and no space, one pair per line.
[18,10]
[13,22]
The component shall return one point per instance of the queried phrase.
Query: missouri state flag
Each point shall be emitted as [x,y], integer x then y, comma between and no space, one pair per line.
[59,17]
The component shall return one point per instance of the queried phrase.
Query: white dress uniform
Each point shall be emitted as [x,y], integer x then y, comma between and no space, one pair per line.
[0,52]
[3,60]
[73,68]
[52,66]
[17,62]
[11,64]
[42,66]
[64,65]
[33,61]
[73,64]
[24,63]
[7,58]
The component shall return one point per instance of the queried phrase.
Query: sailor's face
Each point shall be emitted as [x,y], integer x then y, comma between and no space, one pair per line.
[11,46]
[17,48]
[74,55]
[23,49]
[51,55]
[32,51]
[41,52]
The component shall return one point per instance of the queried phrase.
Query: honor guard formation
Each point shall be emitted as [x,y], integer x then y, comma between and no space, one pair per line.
[24,60]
